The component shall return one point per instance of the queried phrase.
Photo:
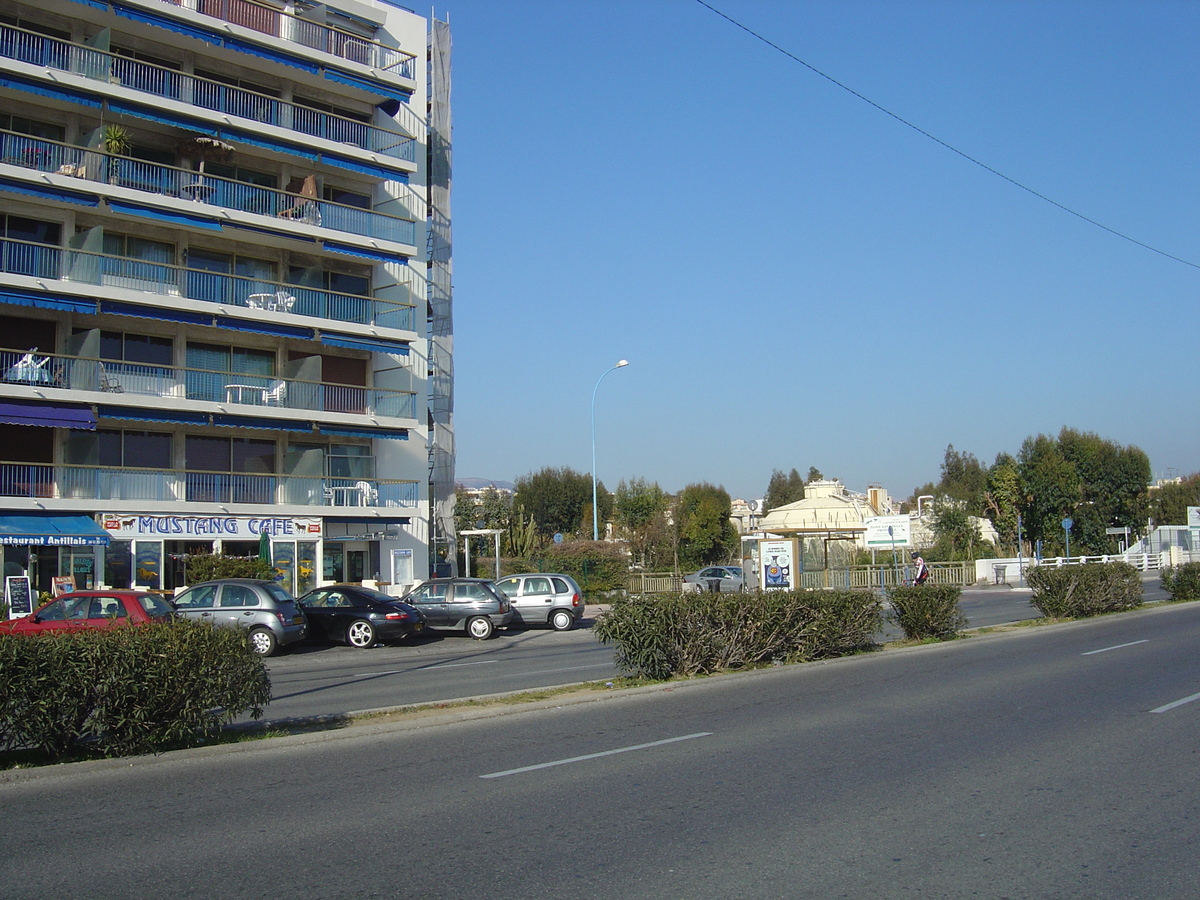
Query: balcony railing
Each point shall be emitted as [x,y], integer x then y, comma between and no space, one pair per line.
[71,482]
[269,298]
[186,184]
[290,27]
[40,50]
[52,370]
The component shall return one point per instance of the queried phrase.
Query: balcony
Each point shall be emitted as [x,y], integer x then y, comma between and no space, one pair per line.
[106,483]
[317,36]
[54,371]
[203,189]
[268,298]
[159,81]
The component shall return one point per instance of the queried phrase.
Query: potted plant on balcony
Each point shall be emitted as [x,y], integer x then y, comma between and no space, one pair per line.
[116,142]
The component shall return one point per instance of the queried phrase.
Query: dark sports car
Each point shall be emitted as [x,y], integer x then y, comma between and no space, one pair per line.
[358,616]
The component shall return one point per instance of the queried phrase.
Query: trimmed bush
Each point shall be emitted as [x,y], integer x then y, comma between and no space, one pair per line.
[1182,582]
[207,566]
[927,611]
[1086,590]
[126,690]
[661,635]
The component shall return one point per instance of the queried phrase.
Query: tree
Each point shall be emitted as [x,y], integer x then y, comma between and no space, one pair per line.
[814,474]
[963,479]
[706,535]
[957,533]
[784,489]
[640,510]
[637,503]
[1002,500]
[560,500]
[1168,503]
[1078,475]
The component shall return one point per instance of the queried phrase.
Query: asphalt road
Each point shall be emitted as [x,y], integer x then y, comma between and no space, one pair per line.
[332,680]
[1054,762]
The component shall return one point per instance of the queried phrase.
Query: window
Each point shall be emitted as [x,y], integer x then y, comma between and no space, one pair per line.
[119,346]
[209,274]
[106,608]
[24,259]
[238,595]
[33,128]
[137,260]
[119,449]
[429,593]
[538,586]
[200,597]
[466,593]
[222,365]
[335,194]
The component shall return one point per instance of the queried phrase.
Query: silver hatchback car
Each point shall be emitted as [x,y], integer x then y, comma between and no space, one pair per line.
[543,598]
[268,612]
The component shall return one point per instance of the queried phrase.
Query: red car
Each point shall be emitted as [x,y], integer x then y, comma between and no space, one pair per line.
[92,609]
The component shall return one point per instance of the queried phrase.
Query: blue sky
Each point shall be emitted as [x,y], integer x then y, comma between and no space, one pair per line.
[798,279]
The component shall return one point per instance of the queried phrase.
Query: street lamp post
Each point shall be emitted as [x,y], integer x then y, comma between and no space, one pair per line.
[595,517]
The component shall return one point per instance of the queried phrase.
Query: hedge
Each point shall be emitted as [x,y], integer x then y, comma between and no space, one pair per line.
[927,611]
[1085,590]
[661,635]
[126,690]
[1182,582]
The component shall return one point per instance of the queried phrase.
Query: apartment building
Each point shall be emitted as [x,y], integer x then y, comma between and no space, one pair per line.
[217,236]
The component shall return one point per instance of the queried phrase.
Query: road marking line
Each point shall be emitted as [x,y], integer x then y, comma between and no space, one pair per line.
[1117,647]
[575,759]
[567,669]
[1171,706]
[482,662]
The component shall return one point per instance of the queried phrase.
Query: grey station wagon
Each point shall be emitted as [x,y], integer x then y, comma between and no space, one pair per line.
[473,605]
[268,612]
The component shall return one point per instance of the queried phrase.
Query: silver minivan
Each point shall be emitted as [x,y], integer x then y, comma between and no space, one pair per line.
[268,612]
[544,598]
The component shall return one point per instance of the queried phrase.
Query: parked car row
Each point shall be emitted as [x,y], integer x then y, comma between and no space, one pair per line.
[349,613]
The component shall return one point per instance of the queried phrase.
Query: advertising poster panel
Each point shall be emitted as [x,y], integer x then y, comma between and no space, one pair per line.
[779,564]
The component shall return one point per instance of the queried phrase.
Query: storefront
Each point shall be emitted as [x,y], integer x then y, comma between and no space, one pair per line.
[48,546]
[151,551]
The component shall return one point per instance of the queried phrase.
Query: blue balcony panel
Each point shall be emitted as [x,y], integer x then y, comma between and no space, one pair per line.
[48,192]
[375,345]
[43,300]
[395,434]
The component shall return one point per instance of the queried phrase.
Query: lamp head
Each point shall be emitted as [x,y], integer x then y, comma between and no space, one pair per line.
[621,362]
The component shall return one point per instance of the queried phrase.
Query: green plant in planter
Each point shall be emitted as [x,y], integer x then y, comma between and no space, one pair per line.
[115,140]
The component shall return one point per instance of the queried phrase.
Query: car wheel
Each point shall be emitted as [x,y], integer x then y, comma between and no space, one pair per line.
[263,642]
[480,628]
[360,634]
[562,620]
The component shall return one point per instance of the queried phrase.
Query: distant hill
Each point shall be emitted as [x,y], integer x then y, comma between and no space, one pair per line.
[476,484]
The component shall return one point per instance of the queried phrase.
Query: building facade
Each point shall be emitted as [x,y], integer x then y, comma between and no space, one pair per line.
[217,234]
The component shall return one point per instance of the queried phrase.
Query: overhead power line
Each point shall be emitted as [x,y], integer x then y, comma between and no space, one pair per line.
[921,131]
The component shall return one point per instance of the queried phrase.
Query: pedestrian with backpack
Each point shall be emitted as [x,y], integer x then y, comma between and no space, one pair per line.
[922,570]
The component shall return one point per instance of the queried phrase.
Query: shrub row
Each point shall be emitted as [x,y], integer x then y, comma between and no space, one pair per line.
[1086,590]
[126,690]
[1182,582]
[661,635]
[927,611]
